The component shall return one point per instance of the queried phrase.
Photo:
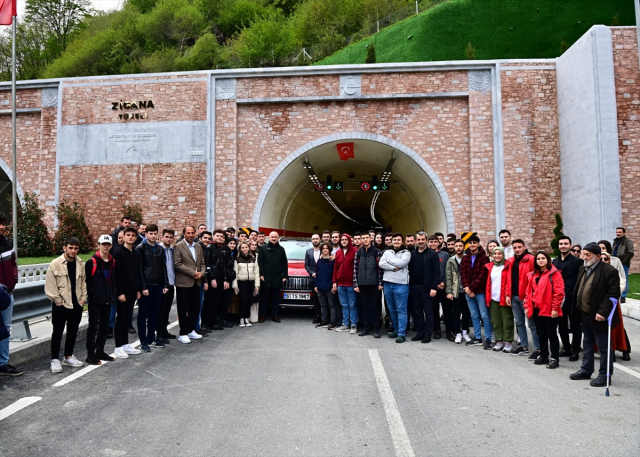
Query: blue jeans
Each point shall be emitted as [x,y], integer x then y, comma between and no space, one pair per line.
[201,302]
[7,314]
[396,296]
[478,308]
[148,311]
[520,316]
[626,286]
[348,301]
[112,315]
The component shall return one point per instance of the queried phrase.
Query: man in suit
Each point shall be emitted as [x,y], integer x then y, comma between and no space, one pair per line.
[190,269]
[597,284]
[310,258]
[274,272]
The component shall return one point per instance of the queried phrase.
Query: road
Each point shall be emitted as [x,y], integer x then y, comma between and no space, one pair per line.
[292,390]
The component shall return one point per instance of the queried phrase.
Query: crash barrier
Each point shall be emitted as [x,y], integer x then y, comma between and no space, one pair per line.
[30,300]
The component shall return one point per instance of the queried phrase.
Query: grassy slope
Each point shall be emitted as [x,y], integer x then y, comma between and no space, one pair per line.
[442,33]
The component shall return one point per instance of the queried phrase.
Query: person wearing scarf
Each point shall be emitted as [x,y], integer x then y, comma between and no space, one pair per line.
[498,300]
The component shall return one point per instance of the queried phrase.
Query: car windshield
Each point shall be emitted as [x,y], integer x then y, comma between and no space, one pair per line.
[296,249]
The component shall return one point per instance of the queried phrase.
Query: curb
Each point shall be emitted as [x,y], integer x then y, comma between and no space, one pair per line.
[631,308]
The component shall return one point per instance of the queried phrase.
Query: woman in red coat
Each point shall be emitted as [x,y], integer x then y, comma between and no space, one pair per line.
[498,298]
[545,295]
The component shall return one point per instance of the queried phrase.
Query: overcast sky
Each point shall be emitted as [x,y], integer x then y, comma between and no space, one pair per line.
[104,5]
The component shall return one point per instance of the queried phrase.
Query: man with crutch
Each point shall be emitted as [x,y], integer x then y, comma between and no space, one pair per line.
[596,293]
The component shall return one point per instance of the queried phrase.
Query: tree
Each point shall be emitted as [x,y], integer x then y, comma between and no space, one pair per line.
[33,234]
[71,222]
[371,54]
[134,211]
[557,231]
[60,17]
[470,52]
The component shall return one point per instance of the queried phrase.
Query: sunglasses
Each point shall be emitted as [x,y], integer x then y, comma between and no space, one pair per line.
[575,250]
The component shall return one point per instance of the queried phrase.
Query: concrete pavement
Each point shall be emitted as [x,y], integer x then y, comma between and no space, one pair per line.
[290,389]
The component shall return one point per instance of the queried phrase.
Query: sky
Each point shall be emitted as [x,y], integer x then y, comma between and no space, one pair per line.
[103,5]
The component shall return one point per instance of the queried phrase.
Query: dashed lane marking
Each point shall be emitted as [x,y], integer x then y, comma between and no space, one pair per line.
[627,370]
[396,426]
[17,406]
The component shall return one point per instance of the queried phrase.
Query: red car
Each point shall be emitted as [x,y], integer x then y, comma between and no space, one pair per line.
[297,291]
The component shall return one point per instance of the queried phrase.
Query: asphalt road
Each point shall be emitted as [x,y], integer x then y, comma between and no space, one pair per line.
[290,389]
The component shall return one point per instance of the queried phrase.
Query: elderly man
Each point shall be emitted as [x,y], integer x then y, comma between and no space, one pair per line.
[597,284]
[274,269]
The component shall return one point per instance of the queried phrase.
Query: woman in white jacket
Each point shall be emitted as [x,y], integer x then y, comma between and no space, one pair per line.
[247,281]
[395,263]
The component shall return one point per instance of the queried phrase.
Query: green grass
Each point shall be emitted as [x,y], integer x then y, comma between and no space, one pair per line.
[497,29]
[634,286]
[37,260]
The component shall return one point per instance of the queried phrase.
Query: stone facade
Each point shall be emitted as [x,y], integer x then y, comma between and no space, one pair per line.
[252,124]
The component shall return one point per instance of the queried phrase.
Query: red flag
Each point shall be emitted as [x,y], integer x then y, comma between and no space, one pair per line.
[345,151]
[8,9]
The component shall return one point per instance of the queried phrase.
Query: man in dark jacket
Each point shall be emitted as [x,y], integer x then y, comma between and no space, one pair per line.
[623,249]
[217,276]
[367,283]
[274,270]
[569,267]
[102,294]
[424,277]
[598,283]
[128,288]
[8,278]
[155,283]
[473,276]
[311,257]
[125,222]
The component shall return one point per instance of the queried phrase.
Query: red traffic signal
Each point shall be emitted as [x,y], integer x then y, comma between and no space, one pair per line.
[365,185]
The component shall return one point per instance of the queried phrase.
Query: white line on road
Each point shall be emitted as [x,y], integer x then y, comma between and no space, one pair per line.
[396,426]
[17,406]
[90,368]
[627,370]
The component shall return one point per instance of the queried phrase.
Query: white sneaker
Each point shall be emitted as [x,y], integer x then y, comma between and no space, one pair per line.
[247,323]
[498,347]
[343,328]
[458,338]
[130,349]
[241,322]
[466,337]
[56,367]
[194,336]
[120,354]
[507,348]
[354,329]
[72,362]
[184,339]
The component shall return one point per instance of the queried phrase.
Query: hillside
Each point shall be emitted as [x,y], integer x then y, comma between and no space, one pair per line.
[497,29]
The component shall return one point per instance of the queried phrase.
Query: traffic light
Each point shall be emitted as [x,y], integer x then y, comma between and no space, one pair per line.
[374,182]
[329,183]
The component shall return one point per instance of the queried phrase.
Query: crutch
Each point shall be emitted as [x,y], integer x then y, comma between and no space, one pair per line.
[609,319]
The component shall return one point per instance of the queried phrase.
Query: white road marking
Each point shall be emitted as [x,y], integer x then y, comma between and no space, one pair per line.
[17,406]
[627,370]
[90,368]
[398,433]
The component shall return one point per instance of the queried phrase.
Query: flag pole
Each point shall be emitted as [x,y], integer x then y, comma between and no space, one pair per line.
[14,232]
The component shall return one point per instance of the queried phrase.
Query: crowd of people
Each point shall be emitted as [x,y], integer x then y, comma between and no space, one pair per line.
[481,296]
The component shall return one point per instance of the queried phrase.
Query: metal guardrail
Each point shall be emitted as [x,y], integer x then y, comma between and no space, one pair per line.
[30,300]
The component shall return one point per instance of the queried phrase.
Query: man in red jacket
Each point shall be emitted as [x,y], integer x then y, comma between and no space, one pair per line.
[343,281]
[473,276]
[8,278]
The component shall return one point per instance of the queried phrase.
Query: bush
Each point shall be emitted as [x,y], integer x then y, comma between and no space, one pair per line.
[33,234]
[557,231]
[371,54]
[134,211]
[71,222]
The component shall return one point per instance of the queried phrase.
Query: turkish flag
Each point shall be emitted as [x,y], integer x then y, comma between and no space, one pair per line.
[345,151]
[8,9]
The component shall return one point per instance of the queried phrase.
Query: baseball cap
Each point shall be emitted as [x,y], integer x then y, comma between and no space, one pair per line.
[104,239]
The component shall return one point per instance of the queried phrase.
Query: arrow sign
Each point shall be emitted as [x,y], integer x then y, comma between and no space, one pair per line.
[384,186]
[338,185]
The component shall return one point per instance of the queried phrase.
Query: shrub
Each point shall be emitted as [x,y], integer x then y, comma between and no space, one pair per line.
[371,54]
[557,231]
[134,211]
[470,52]
[71,222]
[33,234]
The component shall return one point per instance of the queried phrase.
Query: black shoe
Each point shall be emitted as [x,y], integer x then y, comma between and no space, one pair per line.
[227,324]
[216,327]
[534,355]
[167,336]
[164,340]
[316,320]
[487,344]
[580,374]
[276,319]
[10,370]
[541,361]
[437,335]
[131,329]
[110,332]
[565,353]
[574,357]
[451,337]
[93,360]
[626,357]
[376,333]
[323,324]
[426,340]
[417,338]
[600,381]
[364,332]
[474,342]
[104,356]
[553,363]
[145,348]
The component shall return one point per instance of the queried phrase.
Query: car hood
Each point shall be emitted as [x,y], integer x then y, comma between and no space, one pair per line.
[296,268]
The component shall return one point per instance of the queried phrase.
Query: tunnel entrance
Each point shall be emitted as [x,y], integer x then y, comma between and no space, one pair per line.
[416,199]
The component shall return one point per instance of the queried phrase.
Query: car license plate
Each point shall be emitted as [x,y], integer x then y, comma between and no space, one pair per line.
[290,296]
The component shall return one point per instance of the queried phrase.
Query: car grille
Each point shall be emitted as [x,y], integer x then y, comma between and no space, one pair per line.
[298,283]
